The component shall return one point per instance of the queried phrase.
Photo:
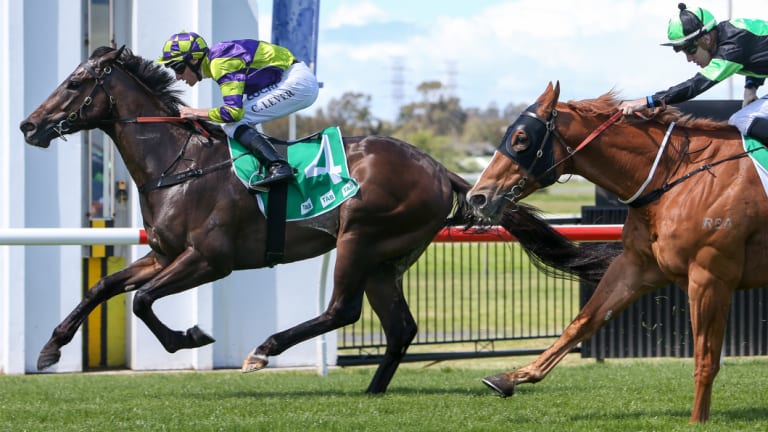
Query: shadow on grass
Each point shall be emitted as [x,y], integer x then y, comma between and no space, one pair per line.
[733,415]
[634,416]
[321,387]
[399,391]
[741,414]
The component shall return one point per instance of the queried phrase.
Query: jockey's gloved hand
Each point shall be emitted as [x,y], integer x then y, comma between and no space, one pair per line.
[631,106]
[750,95]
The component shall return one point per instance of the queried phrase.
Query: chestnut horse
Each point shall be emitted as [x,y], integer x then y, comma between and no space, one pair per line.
[678,174]
[205,224]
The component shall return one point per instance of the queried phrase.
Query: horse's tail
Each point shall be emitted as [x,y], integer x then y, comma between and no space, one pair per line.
[462,212]
[550,251]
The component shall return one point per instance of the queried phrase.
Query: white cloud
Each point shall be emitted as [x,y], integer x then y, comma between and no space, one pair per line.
[507,51]
[357,14]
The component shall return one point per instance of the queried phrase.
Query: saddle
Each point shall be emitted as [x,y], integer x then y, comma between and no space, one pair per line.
[322,182]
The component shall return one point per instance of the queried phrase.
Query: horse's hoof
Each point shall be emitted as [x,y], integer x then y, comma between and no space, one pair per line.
[500,384]
[254,362]
[48,359]
[199,337]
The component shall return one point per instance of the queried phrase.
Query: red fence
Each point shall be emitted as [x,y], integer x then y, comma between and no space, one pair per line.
[126,236]
[573,232]
[485,296]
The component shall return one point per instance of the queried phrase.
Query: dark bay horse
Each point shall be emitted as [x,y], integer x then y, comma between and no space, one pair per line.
[679,176]
[205,227]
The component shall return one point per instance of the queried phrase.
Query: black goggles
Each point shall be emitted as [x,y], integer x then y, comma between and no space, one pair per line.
[689,48]
[178,66]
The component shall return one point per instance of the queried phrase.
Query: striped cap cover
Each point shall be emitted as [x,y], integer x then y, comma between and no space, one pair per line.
[183,46]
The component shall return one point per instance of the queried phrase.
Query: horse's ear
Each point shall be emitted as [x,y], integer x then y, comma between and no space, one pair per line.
[111,57]
[550,96]
[543,97]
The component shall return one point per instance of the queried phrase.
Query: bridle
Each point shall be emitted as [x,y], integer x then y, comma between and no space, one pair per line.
[547,177]
[65,125]
[167,178]
[544,174]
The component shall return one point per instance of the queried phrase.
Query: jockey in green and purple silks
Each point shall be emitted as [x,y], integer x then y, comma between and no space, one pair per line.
[259,82]
[736,46]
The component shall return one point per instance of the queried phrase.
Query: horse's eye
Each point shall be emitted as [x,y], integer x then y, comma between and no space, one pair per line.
[73,84]
[520,143]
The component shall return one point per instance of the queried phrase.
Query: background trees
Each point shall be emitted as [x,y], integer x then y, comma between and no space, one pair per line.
[437,123]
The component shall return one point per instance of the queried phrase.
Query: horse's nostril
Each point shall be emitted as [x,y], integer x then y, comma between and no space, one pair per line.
[27,126]
[477,200]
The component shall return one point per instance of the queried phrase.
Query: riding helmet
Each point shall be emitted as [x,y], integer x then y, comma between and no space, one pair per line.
[183,46]
[689,24]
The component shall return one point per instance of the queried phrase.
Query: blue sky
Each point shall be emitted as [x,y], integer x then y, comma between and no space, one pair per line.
[502,51]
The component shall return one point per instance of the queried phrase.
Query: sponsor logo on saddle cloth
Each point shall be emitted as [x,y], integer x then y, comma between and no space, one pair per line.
[322,182]
[759,154]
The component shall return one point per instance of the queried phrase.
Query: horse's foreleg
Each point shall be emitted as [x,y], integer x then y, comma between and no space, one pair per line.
[709,300]
[124,280]
[620,287]
[188,270]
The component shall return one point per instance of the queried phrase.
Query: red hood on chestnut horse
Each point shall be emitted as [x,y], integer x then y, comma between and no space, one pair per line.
[203,224]
[678,174]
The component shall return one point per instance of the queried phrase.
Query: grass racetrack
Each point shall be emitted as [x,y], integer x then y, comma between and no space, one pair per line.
[579,395]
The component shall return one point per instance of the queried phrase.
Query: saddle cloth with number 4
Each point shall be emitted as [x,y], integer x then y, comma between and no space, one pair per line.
[322,182]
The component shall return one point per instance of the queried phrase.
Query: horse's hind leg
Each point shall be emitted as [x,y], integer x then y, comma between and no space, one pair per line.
[709,305]
[385,294]
[622,285]
[108,287]
[383,287]
[188,270]
[344,308]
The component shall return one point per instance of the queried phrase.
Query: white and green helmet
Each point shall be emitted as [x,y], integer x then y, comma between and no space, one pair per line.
[688,25]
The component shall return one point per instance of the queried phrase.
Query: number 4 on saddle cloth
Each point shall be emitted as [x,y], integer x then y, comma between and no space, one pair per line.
[322,181]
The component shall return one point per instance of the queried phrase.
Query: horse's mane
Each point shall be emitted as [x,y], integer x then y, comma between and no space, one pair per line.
[608,103]
[151,74]
[157,79]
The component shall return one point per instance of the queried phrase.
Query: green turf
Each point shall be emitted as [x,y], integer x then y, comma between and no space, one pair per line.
[581,395]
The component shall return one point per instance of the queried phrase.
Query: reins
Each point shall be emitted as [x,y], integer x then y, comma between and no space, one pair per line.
[195,123]
[516,190]
[635,201]
[65,125]
[600,129]
[165,179]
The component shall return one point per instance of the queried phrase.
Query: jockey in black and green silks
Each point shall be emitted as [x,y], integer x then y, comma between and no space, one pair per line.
[737,46]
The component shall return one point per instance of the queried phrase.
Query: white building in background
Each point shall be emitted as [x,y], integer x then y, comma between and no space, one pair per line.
[41,42]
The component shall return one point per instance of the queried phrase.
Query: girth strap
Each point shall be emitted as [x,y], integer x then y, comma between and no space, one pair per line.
[276,213]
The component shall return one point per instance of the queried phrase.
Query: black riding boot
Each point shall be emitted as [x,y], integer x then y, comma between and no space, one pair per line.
[759,130]
[278,168]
